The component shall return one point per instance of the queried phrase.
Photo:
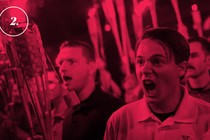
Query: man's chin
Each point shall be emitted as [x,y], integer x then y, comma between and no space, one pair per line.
[190,71]
[152,100]
[191,75]
[68,88]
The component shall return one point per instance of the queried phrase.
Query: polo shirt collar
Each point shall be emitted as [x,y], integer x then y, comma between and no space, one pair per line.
[143,111]
[91,101]
[187,111]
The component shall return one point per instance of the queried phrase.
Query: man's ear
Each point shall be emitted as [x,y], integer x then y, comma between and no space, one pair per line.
[92,67]
[182,68]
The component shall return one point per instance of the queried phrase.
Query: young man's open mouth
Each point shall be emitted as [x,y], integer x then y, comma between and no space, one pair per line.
[67,78]
[149,85]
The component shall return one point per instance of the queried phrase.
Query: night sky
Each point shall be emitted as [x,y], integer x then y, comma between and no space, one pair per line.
[60,20]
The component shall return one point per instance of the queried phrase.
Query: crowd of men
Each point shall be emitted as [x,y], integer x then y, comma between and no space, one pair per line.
[171,92]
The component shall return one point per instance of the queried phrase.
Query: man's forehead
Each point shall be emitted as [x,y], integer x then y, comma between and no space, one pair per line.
[52,75]
[155,48]
[152,47]
[195,46]
[70,52]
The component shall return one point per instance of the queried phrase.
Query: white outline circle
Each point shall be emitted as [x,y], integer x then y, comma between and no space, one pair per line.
[26,20]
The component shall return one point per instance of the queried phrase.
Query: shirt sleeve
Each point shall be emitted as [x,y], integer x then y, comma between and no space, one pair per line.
[110,132]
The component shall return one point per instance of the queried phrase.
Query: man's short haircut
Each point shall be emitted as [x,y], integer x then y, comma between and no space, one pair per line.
[88,50]
[204,43]
[173,40]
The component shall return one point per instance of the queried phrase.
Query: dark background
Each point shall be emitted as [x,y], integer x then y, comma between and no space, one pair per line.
[66,19]
[60,20]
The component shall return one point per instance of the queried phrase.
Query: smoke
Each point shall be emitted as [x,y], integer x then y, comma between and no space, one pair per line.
[31,7]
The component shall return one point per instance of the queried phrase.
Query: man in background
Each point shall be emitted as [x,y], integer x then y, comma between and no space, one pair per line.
[89,106]
[58,105]
[198,70]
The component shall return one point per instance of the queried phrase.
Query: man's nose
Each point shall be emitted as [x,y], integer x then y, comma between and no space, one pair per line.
[190,60]
[63,67]
[147,68]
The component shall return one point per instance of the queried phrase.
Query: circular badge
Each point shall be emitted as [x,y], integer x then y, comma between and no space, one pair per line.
[13,21]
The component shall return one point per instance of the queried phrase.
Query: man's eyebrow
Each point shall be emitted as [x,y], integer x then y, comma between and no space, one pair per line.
[194,53]
[155,55]
[68,59]
[72,59]
[138,56]
[158,55]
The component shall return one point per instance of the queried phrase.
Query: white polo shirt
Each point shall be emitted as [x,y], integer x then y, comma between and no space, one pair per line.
[135,121]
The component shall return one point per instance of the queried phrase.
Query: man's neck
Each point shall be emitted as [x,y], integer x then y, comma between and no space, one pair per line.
[60,108]
[170,105]
[56,101]
[86,91]
[199,82]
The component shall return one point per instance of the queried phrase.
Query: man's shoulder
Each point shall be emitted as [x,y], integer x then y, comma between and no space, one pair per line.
[106,103]
[108,97]
[129,109]
[202,105]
